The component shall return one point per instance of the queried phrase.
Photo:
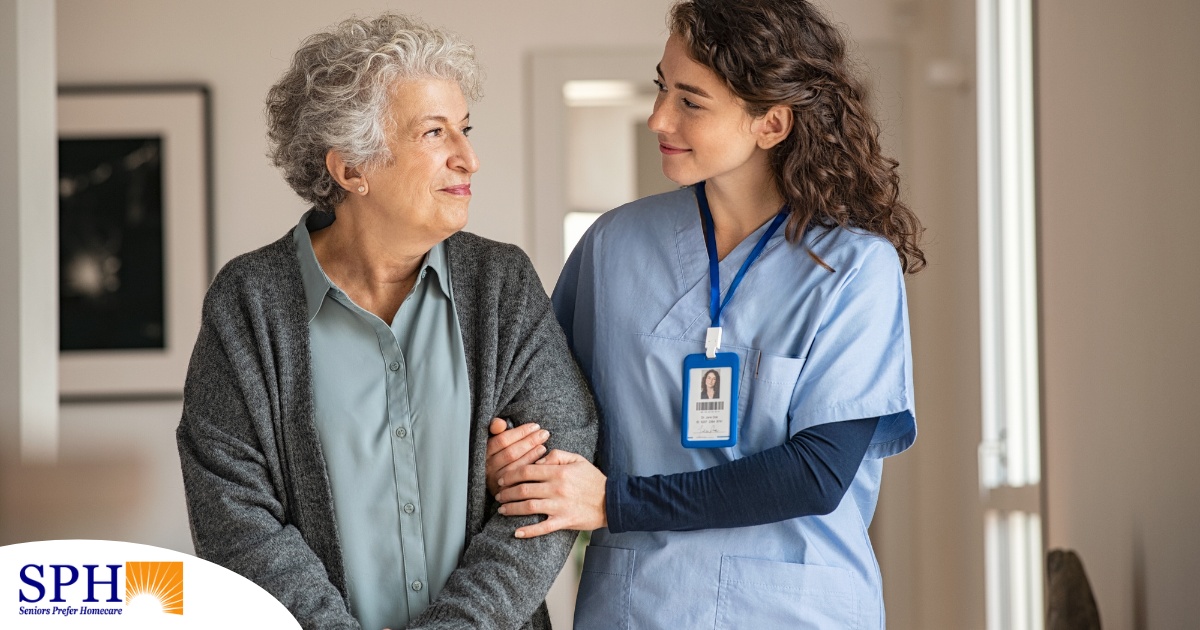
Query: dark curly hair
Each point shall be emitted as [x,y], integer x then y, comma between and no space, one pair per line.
[829,169]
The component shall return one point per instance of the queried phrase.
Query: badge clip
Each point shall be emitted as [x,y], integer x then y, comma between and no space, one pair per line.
[712,342]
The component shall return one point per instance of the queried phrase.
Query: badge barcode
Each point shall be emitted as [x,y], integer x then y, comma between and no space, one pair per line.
[718,405]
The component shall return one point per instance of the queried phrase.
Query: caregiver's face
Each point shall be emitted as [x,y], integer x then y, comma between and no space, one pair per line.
[704,131]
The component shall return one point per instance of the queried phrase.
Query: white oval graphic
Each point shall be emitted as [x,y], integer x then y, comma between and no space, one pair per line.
[108,584]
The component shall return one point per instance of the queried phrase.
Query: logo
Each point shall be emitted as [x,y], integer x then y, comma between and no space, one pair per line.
[102,584]
[69,589]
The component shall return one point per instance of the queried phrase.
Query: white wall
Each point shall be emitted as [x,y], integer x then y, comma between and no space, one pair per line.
[600,156]
[1120,211]
[28,339]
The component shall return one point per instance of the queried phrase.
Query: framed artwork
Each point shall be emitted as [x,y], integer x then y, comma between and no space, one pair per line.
[135,219]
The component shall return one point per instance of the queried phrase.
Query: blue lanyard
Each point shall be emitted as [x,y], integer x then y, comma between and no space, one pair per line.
[715,305]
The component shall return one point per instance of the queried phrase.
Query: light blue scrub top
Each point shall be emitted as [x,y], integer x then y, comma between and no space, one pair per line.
[815,347]
[392,406]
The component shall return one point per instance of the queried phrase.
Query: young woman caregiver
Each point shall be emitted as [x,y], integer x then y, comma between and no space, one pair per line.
[780,267]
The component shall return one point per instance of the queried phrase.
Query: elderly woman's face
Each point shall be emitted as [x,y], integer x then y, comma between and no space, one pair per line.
[427,187]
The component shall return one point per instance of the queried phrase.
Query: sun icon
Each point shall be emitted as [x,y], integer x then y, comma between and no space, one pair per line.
[152,586]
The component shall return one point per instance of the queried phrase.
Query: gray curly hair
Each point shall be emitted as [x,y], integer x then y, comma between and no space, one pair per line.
[336,93]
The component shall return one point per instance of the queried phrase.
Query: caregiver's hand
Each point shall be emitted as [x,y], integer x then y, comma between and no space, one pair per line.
[564,486]
[512,448]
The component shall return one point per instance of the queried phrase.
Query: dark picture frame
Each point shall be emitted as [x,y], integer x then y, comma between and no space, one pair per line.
[135,237]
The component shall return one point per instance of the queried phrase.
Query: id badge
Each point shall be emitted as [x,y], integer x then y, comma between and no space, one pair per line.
[710,395]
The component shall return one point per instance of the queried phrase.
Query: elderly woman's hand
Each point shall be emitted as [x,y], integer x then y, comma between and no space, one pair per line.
[564,486]
[509,449]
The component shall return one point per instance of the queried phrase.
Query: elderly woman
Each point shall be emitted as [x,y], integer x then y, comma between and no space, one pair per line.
[336,408]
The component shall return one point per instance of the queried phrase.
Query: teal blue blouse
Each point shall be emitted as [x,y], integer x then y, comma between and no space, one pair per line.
[392,409]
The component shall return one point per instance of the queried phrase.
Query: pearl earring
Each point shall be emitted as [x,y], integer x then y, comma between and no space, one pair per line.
[362,189]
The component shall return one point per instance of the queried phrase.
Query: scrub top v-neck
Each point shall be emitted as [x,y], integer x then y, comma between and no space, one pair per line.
[815,345]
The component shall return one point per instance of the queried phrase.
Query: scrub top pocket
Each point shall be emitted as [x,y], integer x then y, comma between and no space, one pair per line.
[756,594]
[766,399]
[603,601]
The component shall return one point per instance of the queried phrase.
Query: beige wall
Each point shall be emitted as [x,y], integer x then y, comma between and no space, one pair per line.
[240,48]
[1121,277]
[126,452]
[928,531]
[1120,210]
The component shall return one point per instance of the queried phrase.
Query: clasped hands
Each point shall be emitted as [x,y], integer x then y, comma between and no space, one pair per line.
[525,479]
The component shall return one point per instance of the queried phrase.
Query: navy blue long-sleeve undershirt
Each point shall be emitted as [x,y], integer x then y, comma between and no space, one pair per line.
[809,474]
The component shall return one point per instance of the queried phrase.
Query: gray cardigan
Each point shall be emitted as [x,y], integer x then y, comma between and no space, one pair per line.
[258,494]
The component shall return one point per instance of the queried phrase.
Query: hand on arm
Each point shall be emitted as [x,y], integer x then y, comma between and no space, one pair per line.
[509,449]
[565,487]
[811,472]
